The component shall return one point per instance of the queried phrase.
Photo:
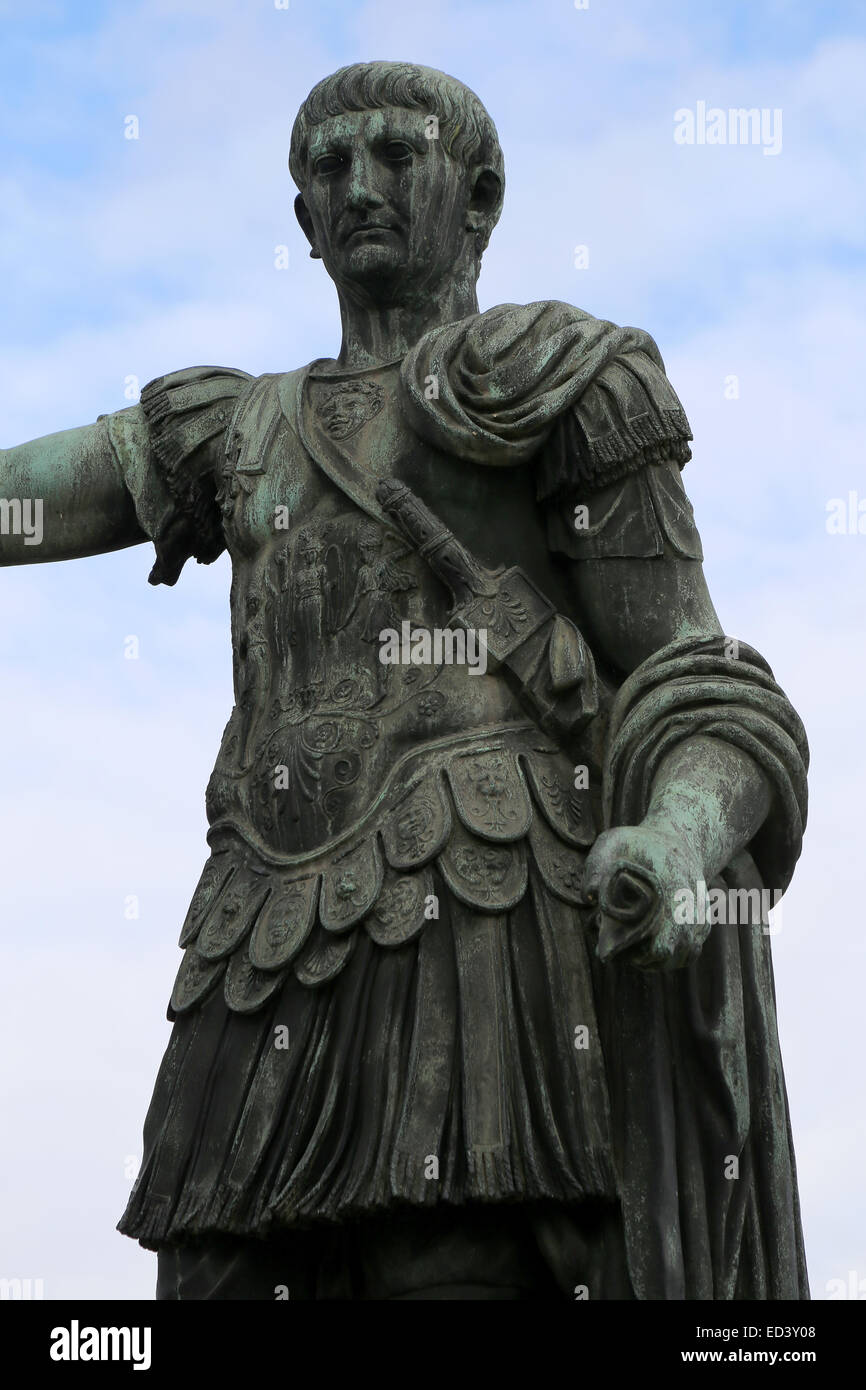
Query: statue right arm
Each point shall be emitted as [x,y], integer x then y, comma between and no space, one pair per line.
[150,472]
[64,495]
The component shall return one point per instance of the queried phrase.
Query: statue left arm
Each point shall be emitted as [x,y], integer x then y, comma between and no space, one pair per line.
[638,583]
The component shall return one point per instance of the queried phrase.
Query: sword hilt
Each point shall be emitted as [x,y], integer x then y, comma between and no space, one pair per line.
[542,654]
[449,560]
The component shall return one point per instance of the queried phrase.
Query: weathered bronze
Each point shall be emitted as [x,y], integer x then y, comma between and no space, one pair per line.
[476,998]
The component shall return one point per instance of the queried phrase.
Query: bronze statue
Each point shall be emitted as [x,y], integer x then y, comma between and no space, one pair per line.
[452,1018]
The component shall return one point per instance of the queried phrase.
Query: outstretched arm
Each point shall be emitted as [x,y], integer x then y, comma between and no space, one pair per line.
[63,495]
[150,472]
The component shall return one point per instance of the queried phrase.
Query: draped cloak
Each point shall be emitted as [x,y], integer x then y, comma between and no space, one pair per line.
[432,1057]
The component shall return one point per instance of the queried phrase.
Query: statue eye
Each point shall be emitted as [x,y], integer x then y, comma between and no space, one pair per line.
[329,163]
[397,151]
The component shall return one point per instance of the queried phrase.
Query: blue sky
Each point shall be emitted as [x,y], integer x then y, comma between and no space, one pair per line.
[132,258]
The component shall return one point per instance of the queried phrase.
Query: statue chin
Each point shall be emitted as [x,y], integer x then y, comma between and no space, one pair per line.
[367,260]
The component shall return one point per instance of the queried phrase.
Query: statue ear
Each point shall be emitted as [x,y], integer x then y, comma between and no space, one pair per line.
[303,215]
[485,204]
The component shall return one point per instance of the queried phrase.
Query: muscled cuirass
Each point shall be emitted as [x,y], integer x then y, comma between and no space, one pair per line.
[342,778]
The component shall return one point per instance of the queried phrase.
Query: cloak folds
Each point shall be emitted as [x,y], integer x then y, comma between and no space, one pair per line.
[693,1060]
[506,378]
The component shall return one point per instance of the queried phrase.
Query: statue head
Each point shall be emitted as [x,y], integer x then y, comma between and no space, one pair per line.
[401,178]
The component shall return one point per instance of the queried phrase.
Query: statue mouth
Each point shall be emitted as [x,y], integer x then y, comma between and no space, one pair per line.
[368,227]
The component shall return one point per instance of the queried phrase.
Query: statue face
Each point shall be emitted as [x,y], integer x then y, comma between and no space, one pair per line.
[385,206]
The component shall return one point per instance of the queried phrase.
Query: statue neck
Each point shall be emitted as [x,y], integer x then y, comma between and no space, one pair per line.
[375,333]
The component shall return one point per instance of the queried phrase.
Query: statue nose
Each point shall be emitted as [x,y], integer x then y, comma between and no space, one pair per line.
[363,191]
[363,197]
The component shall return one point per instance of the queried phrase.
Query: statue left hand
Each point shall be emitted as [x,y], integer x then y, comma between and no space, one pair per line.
[631,876]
